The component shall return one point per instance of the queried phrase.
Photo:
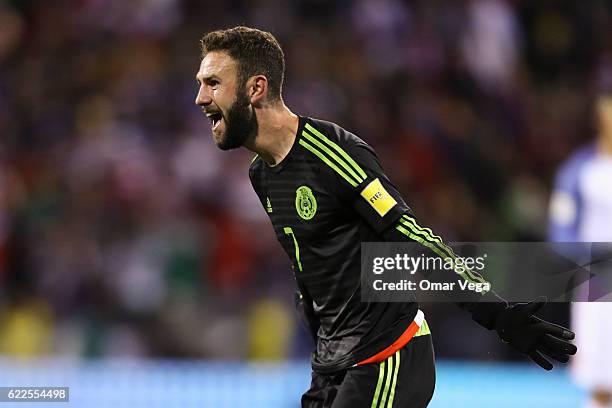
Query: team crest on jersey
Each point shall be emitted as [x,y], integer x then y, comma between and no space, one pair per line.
[305,203]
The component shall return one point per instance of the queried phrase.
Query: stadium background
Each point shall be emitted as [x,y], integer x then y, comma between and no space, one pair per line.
[136,264]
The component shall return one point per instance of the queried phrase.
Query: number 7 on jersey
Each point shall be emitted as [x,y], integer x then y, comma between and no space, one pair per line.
[289,231]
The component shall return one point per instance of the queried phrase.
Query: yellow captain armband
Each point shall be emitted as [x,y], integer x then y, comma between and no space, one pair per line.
[376,195]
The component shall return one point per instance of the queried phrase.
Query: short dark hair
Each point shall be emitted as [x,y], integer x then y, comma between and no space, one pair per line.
[256,53]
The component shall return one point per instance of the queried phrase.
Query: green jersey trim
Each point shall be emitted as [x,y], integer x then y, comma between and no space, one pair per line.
[409,227]
[381,376]
[338,149]
[338,153]
[394,382]
[387,373]
[333,155]
[325,160]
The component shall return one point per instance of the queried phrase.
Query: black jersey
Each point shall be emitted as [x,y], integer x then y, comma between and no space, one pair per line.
[327,196]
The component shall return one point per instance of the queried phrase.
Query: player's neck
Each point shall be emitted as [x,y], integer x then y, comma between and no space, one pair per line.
[277,131]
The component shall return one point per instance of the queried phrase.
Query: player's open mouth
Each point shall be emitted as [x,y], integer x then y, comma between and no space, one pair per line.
[215,119]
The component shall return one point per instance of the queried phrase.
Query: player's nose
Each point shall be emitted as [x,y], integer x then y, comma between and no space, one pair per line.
[202,98]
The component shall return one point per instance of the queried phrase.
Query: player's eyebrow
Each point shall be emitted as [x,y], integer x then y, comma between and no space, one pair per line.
[205,78]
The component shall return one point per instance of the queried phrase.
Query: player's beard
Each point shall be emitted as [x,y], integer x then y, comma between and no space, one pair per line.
[240,124]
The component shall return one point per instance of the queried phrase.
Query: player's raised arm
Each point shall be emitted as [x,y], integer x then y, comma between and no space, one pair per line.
[381,205]
[516,324]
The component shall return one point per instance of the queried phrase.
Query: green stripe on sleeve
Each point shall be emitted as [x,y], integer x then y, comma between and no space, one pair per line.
[420,240]
[431,235]
[416,230]
[426,231]
[321,156]
[332,155]
[338,149]
[407,217]
[442,249]
[433,245]
[381,375]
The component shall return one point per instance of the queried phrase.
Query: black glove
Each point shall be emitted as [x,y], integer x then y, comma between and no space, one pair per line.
[538,339]
[306,315]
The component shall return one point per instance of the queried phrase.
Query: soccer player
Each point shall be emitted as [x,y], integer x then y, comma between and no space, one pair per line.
[325,192]
[581,211]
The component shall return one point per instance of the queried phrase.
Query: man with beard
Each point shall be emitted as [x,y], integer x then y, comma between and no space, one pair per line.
[325,192]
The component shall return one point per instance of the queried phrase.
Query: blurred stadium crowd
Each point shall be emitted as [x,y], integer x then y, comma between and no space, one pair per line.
[124,232]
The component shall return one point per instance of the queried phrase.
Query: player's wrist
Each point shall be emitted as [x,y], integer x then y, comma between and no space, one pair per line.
[487,314]
[485,309]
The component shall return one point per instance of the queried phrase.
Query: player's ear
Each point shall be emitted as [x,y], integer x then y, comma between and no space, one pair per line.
[257,89]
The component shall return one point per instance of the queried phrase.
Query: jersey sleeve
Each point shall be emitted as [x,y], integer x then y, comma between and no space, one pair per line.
[371,193]
[483,306]
[359,180]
